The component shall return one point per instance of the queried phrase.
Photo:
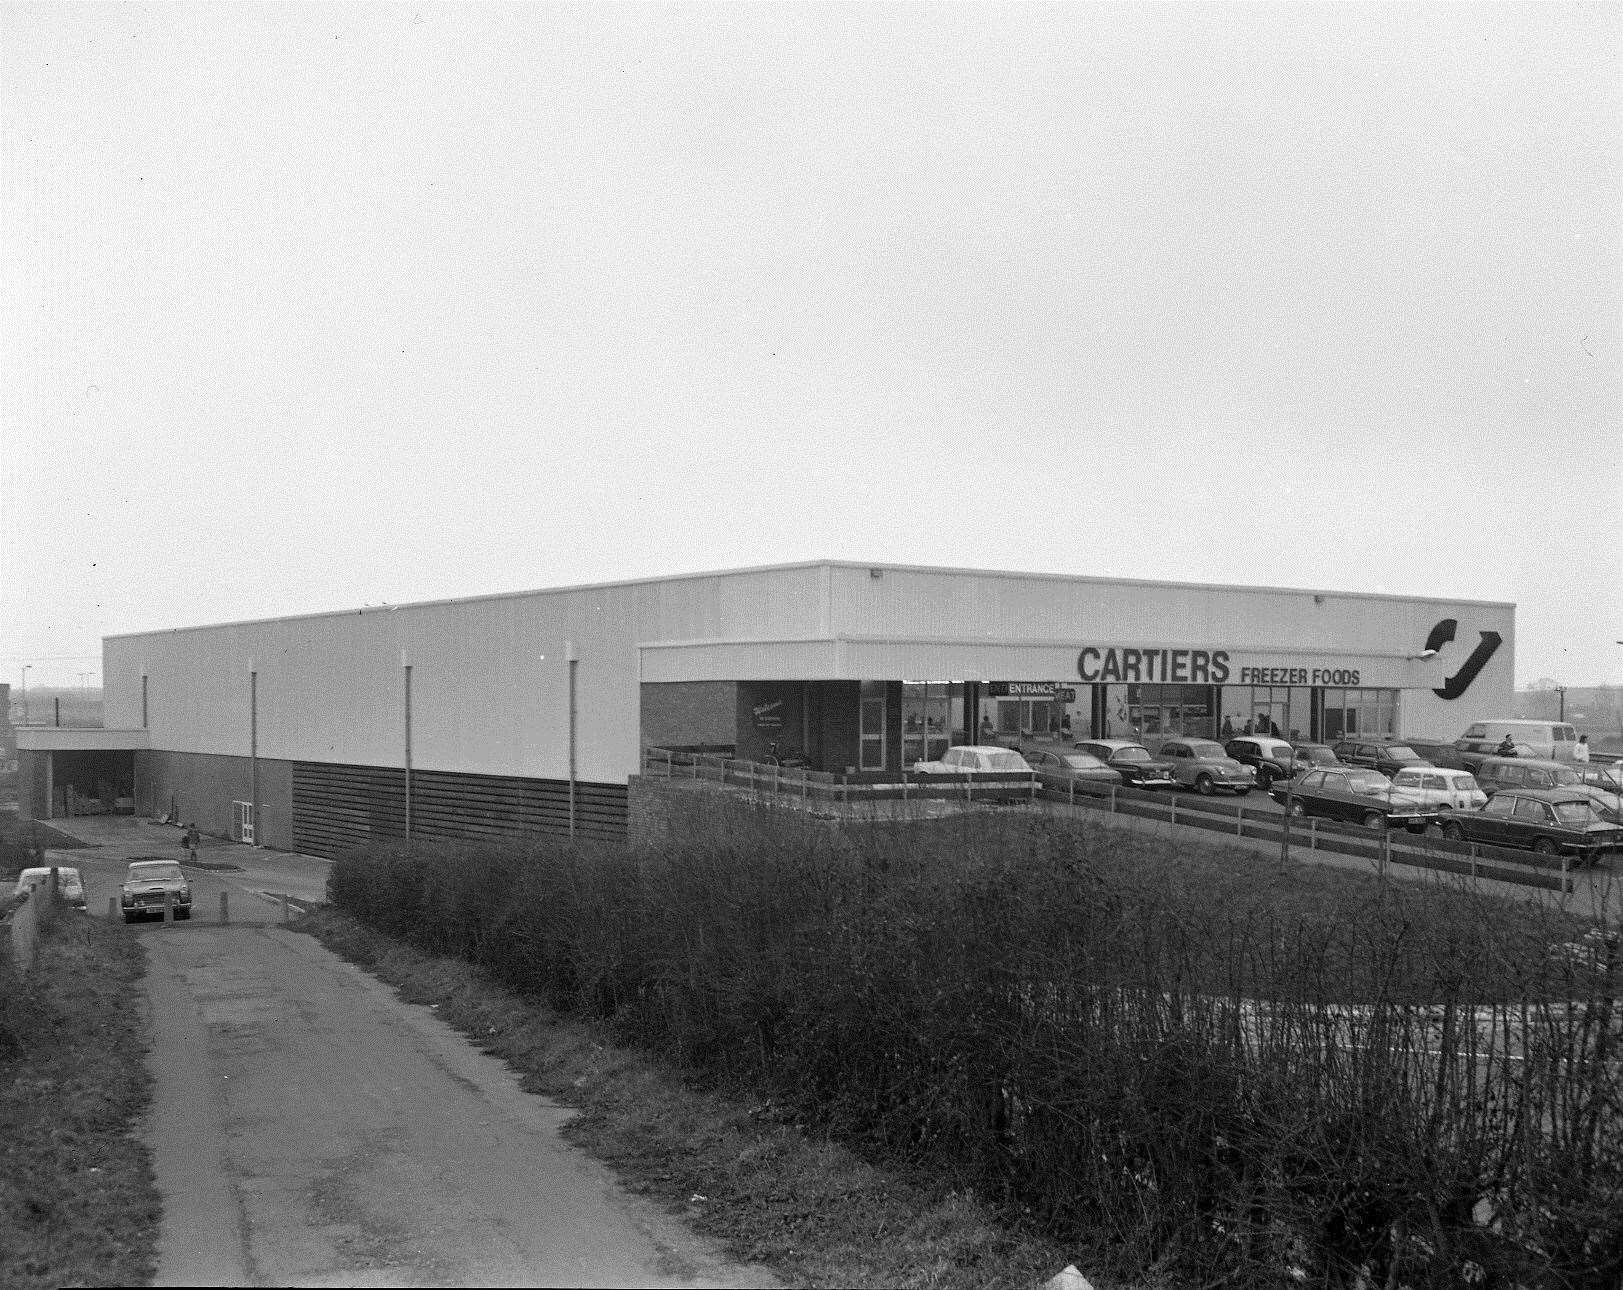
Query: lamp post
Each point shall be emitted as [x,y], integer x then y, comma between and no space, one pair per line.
[26,666]
[1561,697]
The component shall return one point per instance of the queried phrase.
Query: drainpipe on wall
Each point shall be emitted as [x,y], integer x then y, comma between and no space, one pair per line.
[573,663]
[406,667]
[253,744]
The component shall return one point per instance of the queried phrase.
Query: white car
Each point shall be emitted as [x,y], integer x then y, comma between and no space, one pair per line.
[1441,790]
[973,759]
[68,883]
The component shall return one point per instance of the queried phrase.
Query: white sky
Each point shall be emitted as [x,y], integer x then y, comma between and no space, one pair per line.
[310,307]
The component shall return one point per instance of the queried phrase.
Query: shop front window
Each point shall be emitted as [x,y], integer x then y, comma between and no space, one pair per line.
[1360,712]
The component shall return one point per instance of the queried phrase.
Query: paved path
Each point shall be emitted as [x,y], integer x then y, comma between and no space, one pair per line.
[311,1129]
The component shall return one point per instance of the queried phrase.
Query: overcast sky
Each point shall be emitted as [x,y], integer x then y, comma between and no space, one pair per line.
[309,307]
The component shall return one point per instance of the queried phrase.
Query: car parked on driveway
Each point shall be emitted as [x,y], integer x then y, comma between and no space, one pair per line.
[1065,763]
[1440,789]
[1201,764]
[69,885]
[1132,760]
[1550,821]
[973,759]
[1269,758]
[1359,794]
[1388,756]
[147,883]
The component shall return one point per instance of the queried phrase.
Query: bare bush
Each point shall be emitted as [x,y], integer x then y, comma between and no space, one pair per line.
[1228,1073]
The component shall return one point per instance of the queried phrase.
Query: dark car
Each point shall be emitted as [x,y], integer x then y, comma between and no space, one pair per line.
[1070,764]
[1138,769]
[1360,794]
[1550,821]
[1438,754]
[1496,773]
[1388,756]
[1275,758]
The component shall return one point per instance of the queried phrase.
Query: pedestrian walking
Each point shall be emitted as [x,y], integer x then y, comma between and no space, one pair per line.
[193,837]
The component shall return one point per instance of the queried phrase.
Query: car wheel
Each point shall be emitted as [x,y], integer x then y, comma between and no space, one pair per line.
[1453,832]
[1265,777]
[1297,810]
[1545,846]
[1375,820]
[1203,785]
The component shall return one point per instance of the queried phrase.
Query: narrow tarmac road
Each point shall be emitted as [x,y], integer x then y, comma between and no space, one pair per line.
[311,1129]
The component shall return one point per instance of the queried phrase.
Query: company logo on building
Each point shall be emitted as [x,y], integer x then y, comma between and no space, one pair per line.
[1460,682]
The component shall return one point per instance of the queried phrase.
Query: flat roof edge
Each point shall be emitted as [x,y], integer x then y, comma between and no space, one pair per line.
[749,570]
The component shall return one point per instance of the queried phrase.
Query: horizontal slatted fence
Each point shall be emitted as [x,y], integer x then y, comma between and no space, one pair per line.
[336,807]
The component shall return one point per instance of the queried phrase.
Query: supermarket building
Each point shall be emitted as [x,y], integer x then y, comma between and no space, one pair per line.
[529,712]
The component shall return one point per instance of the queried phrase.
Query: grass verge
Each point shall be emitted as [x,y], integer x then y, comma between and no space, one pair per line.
[78,1201]
[739,1169]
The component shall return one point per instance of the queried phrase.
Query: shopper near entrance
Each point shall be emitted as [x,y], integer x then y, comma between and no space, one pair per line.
[1581,752]
[1507,747]
[189,840]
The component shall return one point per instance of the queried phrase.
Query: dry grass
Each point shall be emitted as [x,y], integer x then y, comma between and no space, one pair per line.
[741,1171]
[78,1202]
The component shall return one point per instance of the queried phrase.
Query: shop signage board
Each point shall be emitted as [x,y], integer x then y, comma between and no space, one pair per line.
[1031,690]
[768,715]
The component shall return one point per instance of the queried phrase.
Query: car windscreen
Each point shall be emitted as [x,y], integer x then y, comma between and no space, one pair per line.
[1466,784]
[1365,781]
[1401,750]
[1206,751]
[154,872]
[1577,813]
[1006,761]
[1130,754]
[1318,756]
[1568,778]
[1081,761]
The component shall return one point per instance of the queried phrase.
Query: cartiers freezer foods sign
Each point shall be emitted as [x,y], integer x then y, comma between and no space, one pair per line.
[1198,667]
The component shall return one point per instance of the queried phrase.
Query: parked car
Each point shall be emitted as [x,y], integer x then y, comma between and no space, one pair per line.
[1316,755]
[145,885]
[1604,784]
[1495,773]
[1083,767]
[1360,794]
[973,759]
[1438,753]
[1201,764]
[1388,756]
[1551,740]
[1131,759]
[1440,789]
[1549,821]
[69,885]
[1269,758]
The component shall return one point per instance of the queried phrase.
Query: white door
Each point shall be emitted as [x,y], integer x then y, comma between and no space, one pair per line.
[242,821]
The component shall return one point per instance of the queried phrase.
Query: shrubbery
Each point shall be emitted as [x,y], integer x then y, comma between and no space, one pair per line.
[1204,1065]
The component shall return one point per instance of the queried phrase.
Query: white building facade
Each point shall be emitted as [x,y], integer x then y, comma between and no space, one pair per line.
[505,715]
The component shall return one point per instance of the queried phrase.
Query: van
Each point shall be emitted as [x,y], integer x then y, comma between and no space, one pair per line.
[1551,740]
